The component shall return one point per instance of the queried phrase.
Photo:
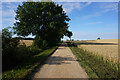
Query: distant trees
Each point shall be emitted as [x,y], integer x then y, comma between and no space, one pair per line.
[98,38]
[46,20]
[72,39]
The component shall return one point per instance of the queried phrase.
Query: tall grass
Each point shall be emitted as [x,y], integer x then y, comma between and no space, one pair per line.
[95,65]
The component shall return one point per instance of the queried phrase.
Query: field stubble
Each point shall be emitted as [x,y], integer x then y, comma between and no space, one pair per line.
[107,48]
[26,42]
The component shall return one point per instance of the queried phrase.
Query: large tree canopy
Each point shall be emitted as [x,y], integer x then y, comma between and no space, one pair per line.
[46,20]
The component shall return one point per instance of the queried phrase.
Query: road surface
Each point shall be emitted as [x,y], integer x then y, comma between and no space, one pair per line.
[62,64]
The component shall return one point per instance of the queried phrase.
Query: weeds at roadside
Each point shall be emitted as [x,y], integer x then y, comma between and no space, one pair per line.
[95,66]
[23,69]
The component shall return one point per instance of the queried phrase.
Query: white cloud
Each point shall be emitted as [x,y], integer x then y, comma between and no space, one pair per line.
[94,23]
[11,6]
[68,7]
[109,7]
[8,13]
[87,4]
[9,21]
[24,0]
[66,0]
[13,0]
[0,24]
[8,17]
[86,0]
[103,8]
[91,15]
[0,15]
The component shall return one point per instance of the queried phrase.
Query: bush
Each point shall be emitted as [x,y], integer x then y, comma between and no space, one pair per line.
[41,43]
[44,45]
[34,50]
[21,53]
[8,43]
[9,47]
[72,44]
[14,55]
[72,39]
[98,38]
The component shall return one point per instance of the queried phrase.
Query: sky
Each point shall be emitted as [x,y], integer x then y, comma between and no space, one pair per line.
[89,20]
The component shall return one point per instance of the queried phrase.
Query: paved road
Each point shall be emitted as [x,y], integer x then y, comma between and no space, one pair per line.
[62,64]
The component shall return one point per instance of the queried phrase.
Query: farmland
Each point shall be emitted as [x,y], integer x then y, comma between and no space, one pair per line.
[94,65]
[40,43]
[108,48]
[27,42]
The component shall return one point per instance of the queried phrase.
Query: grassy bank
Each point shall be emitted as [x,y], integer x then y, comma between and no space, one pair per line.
[26,68]
[94,65]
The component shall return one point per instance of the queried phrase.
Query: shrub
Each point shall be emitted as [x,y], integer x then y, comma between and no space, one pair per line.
[72,44]
[72,39]
[34,50]
[21,53]
[41,43]
[44,45]
[9,47]
[98,38]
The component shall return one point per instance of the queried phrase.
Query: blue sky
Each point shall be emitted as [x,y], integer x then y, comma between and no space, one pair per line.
[89,20]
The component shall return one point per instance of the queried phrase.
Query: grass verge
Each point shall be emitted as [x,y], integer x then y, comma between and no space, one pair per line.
[23,70]
[94,65]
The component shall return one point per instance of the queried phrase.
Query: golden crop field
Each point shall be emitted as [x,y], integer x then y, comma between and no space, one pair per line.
[27,42]
[108,48]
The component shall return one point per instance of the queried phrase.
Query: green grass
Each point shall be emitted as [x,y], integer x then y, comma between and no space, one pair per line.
[94,65]
[23,70]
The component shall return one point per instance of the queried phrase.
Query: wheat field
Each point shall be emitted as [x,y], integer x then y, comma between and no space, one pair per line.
[108,48]
[27,42]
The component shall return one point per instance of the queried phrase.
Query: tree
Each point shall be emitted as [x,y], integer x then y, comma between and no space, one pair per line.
[46,20]
[69,34]
[98,38]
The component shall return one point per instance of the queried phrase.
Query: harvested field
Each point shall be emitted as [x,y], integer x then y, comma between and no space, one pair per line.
[108,48]
[27,42]
[115,41]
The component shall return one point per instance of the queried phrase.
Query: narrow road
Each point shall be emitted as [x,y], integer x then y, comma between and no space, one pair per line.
[62,64]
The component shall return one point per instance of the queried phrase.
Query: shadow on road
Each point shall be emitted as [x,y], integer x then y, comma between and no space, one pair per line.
[63,45]
[57,60]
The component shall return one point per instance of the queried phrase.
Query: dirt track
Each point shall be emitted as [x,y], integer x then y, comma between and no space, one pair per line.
[62,64]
